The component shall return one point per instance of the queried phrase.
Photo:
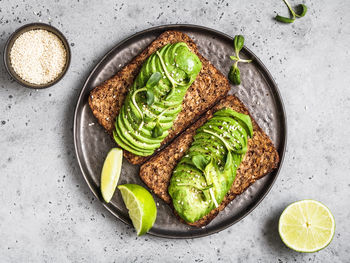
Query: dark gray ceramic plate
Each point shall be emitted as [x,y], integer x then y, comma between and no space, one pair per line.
[258,91]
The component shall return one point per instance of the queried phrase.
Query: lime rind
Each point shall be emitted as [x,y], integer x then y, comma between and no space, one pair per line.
[134,208]
[110,173]
[141,207]
[316,248]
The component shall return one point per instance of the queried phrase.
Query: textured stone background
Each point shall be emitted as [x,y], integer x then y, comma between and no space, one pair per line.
[47,212]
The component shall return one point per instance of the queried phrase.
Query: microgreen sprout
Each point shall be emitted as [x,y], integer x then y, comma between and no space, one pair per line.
[151,82]
[157,130]
[235,75]
[302,8]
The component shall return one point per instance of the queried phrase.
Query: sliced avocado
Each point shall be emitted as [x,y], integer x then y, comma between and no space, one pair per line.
[244,119]
[126,147]
[135,132]
[225,128]
[134,129]
[128,138]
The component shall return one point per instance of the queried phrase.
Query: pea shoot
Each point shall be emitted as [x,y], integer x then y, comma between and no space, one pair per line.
[302,9]
[235,75]
[157,130]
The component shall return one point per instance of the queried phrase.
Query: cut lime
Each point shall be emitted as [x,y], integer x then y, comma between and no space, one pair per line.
[110,173]
[141,206]
[306,226]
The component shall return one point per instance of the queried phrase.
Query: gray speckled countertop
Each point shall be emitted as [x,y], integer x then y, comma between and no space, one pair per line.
[47,212]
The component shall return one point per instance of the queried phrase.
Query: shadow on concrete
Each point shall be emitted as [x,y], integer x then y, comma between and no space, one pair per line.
[270,231]
[70,159]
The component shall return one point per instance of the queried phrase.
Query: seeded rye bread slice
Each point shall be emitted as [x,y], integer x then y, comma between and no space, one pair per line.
[260,159]
[210,86]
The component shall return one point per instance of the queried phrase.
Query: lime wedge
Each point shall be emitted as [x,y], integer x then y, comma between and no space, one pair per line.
[306,226]
[110,173]
[141,206]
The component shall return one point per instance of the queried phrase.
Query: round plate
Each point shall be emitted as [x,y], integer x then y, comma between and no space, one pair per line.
[258,92]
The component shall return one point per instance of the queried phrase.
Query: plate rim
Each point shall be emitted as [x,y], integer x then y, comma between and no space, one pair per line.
[269,78]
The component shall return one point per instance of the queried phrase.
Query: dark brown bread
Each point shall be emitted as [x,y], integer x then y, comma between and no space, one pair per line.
[210,86]
[260,159]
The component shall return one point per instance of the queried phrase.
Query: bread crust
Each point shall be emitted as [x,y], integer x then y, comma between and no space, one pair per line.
[209,87]
[260,159]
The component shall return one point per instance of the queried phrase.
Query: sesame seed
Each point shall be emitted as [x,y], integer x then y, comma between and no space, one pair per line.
[38,56]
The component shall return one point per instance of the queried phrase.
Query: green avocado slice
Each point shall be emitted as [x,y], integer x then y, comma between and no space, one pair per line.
[242,118]
[222,142]
[137,134]
[237,138]
[129,136]
[126,147]
[139,116]
[146,130]
[121,139]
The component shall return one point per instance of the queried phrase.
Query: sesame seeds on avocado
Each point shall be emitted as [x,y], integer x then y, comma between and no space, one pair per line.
[205,174]
[155,98]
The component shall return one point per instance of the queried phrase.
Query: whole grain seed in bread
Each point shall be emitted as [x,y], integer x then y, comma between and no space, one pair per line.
[210,86]
[261,159]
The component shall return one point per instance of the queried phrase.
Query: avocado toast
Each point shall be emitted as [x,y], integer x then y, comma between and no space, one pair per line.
[205,174]
[209,87]
[260,159]
[155,99]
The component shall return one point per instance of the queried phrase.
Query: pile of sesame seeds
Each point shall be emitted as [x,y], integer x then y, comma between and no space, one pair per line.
[38,56]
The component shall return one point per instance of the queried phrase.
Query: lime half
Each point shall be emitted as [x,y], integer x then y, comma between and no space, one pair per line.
[141,206]
[306,226]
[110,173]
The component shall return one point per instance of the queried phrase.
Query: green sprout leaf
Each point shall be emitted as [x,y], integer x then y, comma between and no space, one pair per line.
[229,160]
[207,187]
[153,80]
[234,58]
[200,161]
[238,43]
[157,131]
[302,8]
[234,75]
[284,19]
[149,97]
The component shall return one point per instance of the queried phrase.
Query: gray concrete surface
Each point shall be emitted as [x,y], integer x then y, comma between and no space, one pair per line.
[47,213]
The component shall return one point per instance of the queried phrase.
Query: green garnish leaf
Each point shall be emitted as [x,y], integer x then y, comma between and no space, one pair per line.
[238,43]
[229,161]
[153,80]
[149,97]
[303,9]
[234,75]
[157,131]
[207,187]
[234,58]
[283,19]
[200,161]
[133,99]
[148,118]
[209,171]
[206,194]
